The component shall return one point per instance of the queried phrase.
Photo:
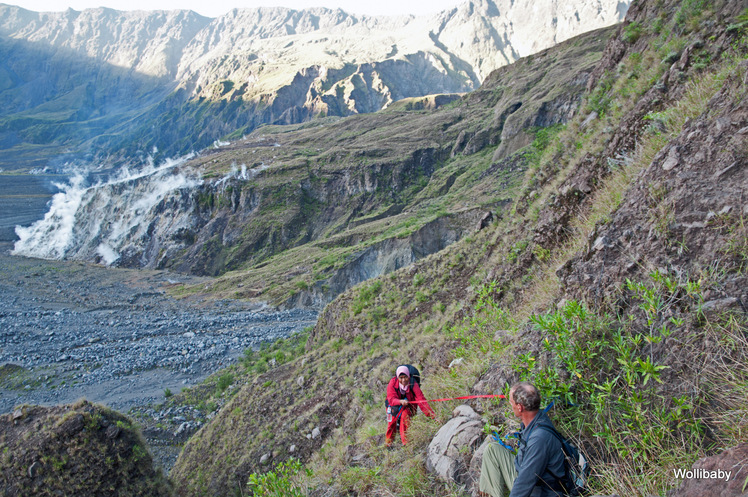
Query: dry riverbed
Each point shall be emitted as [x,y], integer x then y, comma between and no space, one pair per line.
[70,330]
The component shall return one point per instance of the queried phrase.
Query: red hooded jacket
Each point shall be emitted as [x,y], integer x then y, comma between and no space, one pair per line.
[414,393]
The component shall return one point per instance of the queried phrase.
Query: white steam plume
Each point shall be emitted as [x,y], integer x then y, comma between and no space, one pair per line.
[100,220]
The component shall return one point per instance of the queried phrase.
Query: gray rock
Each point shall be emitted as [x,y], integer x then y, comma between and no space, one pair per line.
[452,447]
[72,425]
[456,362]
[672,159]
[587,120]
[34,469]
[464,410]
[113,432]
[316,433]
[713,309]
[600,243]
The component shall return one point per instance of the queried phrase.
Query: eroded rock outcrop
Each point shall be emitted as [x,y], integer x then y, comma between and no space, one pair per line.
[450,451]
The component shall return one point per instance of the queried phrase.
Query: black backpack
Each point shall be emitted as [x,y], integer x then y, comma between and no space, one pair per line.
[577,469]
[415,377]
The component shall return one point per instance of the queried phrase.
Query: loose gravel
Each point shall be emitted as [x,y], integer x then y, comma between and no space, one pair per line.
[70,330]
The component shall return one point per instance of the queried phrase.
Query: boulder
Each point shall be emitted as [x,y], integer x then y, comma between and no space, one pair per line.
[71,425]
[34,469]
[453,445]
[113,432]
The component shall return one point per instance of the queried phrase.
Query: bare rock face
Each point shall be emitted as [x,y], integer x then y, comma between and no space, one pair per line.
[703,183]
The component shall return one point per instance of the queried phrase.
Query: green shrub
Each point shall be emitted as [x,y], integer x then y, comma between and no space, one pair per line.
[610,370]
[280,482]
[224,381]
[632,32]
[601,97]
[689,9]
[366,296]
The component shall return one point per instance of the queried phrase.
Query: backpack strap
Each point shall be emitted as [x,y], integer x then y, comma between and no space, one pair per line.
[396,413]
[564,479]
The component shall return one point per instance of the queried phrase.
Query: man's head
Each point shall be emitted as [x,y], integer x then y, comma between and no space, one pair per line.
[525,395]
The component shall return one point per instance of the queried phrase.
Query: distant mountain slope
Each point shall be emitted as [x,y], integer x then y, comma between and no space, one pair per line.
[102,84]
[332,202]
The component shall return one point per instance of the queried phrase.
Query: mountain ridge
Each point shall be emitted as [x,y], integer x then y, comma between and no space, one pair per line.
[177,72]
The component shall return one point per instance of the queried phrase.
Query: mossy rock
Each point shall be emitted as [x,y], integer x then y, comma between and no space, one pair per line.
[79,449]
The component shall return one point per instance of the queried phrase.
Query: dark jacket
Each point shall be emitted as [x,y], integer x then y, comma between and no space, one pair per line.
[539,458]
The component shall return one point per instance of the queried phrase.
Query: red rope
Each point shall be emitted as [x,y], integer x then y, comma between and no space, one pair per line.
[459,398]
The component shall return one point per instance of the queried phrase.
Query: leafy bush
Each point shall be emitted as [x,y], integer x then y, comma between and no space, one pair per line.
[224,381]
[689,9]
[281,482]
[632,32]
[366,296]
[601,97]
[610,369]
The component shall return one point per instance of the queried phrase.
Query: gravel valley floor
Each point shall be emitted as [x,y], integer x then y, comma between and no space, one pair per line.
[70,330]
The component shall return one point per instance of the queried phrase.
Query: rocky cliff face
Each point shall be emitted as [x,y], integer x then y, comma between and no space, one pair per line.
[101,81]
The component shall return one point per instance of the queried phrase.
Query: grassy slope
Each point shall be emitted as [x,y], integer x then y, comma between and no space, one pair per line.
[452,304]
[478,180]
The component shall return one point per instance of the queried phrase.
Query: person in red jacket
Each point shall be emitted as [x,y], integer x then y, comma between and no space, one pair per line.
[401,395]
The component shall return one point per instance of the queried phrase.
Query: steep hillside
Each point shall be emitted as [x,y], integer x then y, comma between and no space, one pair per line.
[612,274]
[615,281]
[91,87]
